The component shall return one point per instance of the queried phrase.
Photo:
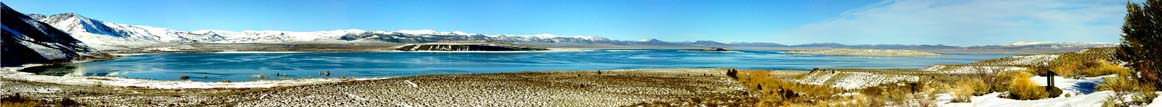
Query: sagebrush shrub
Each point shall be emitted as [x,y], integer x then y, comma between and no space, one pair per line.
[1023,88]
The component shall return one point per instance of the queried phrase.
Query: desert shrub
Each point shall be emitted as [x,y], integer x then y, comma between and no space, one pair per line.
[962,94]
[1022,88]
[777,92]
[1145,96]
[1124,81]
[1128,84]
[1078,64]
[1067,68]
[1105,68]
[1067,65]
[968,87]
[1113,101]
[978,86]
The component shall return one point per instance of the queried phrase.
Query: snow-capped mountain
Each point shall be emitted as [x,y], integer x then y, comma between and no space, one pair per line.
[102,33]
[1063,44]
[26,40]
[105,35]
[1025,45]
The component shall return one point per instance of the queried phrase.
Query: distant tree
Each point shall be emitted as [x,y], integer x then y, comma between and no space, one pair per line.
[1141,46]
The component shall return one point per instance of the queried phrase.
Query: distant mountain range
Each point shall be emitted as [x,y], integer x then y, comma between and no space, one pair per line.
[99,34]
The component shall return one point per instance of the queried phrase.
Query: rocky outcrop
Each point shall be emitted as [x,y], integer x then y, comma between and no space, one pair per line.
[466,47]
[26,40]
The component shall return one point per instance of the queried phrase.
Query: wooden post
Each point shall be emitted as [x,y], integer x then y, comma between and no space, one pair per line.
[1049,77]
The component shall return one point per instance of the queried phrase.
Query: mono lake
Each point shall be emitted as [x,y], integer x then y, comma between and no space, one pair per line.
[245,66]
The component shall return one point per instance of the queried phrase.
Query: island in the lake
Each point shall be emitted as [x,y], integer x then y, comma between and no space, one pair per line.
[467,46]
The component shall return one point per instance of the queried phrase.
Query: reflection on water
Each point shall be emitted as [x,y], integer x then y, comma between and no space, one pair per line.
[57,70]
[251,66]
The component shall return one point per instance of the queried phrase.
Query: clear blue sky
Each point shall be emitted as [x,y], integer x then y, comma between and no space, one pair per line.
[971,22]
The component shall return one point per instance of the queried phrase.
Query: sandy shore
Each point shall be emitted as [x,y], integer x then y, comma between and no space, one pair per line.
[555,88]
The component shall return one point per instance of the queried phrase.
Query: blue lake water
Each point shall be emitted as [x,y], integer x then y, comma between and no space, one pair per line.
[242,66]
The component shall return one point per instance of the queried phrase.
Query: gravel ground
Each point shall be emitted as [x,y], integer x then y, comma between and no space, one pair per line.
[561,88]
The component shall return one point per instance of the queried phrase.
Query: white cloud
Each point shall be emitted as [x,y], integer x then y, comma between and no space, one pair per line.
[971,22]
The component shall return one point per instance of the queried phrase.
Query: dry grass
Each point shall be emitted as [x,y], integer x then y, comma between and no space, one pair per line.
[779,92]
[1126,83]
[968,87]
[1022,88]
[1105,68]
[783,90]
[1083,64]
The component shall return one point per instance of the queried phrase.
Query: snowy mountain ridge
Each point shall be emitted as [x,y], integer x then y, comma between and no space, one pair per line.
[96,32]
[1027,43]
[104,35]
[28,41]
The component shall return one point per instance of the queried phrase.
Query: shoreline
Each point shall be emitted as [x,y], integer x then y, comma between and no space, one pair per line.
[544,88]
[619,87]
[13,72]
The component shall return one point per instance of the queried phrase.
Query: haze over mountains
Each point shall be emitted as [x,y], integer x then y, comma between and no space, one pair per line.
[105,34]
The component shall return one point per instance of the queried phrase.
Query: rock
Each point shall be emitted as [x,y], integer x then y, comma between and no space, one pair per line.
[732,73]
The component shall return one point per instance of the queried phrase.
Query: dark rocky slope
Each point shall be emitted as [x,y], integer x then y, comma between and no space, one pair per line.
[29,41]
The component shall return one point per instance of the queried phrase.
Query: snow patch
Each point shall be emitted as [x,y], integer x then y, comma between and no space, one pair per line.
[1082,91]
[969,69]
[853,80]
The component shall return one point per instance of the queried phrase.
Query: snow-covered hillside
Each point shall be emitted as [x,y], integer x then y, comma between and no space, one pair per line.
[28,41]
[108,35]
[1025,45]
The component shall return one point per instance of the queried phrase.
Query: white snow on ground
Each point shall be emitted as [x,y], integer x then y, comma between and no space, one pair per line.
[857,80]
[1156,103]
[1084,94]
[991,100]
[12,73]
[1030,59]
[854,80]
[49,53]
[1073,86]
[817,78]
[971,69]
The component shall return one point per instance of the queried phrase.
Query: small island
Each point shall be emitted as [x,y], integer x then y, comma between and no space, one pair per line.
[467,46]
[711,49]
[864,52]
